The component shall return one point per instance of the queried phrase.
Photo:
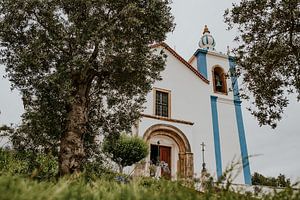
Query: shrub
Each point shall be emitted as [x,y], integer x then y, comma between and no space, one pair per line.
[280,181]
[126,150]
[38,166]
[11,164]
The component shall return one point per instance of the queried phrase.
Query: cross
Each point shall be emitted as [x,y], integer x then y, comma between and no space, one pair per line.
[203,162]
[203,145]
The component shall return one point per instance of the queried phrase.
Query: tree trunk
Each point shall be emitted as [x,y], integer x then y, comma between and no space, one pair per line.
[72,145]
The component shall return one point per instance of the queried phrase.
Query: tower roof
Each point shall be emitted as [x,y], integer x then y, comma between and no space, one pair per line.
[207,41]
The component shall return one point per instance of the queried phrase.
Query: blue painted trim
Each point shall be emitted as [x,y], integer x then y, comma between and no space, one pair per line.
[200,51]
[240,126]
[243,144]
[215,121]
[201,61]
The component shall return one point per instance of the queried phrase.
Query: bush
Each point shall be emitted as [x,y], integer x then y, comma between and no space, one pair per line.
[126,150]
[38,166]
[46,167]
[11,164]
[280,181]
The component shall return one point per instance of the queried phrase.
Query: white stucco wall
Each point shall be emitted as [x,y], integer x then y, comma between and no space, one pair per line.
[190,101]
[229,141]
[228,132]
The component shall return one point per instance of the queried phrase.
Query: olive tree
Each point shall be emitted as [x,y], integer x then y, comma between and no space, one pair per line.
[82,66]
[268,54]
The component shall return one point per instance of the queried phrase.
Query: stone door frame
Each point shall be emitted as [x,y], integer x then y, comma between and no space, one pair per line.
[185,165]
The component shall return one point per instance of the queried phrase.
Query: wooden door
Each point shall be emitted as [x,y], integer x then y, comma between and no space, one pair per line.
[165,155]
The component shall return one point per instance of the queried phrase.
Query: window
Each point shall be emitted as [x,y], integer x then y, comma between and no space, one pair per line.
[162,99]
[219,80]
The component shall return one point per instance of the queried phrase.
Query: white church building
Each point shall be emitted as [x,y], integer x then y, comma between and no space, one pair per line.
[196,102]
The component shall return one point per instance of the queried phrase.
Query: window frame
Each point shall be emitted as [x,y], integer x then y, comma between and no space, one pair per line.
[155,90]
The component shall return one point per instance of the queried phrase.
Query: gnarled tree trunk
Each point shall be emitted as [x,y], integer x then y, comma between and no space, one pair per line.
[71,147]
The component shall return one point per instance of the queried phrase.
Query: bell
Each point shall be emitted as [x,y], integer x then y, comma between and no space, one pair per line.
[219,83]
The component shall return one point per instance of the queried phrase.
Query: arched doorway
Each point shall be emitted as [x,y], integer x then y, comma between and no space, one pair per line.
[172,138]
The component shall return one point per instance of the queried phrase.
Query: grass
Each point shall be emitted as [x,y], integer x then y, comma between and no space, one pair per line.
[13,187]
[19,182]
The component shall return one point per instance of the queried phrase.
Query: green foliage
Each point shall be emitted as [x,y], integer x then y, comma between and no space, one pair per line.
[11,163]
[280,181]
[83,67]
[76,187]
[37,166]
[47,167]
[94,169]
[125,150]
[268,55]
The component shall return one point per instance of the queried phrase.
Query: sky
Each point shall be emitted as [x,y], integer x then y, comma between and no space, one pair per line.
[272,151]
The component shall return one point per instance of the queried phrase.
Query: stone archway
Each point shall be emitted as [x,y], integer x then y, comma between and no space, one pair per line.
[185,164]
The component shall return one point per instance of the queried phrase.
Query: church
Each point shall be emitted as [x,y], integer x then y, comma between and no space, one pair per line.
[192,119]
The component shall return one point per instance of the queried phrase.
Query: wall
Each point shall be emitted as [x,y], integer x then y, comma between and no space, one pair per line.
[228,132]
[190,101]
